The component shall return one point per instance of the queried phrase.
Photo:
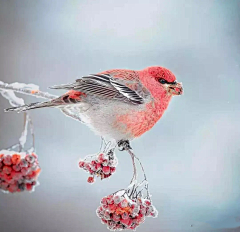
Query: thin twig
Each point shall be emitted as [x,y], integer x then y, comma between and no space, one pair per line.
[13,147]
[8,92]
[134,178]
[144,173]
[32,133]
[22,139]
[36,93]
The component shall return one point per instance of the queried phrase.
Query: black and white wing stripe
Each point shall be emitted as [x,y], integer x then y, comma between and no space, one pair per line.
[127,92]
[105,86]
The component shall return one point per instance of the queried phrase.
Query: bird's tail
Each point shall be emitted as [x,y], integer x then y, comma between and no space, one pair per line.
[31,106]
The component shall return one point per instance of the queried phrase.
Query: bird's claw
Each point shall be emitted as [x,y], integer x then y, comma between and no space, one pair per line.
[124,145]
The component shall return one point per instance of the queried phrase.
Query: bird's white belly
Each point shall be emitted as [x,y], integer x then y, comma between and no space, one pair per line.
[102,118]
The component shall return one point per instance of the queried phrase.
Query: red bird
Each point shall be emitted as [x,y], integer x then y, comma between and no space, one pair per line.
[118,104]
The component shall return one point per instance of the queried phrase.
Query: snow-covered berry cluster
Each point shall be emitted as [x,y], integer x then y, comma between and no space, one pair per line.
[119,212]
[102,165]
[18,171]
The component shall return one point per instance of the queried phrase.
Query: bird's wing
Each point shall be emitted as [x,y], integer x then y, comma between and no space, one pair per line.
[106,86]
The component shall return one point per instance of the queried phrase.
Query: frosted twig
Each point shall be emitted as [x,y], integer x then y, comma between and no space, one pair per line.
[134,178]
[16,101]
[13,147]
[7,91]
[28,89]
[33,135]
[33,90]
[133,184]
[23,138]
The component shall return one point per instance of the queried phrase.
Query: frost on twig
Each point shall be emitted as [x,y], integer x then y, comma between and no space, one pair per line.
[33,90]
[16,101]
[135,184]
[28,89]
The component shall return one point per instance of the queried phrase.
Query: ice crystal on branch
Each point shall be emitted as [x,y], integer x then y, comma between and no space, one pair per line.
[102,165]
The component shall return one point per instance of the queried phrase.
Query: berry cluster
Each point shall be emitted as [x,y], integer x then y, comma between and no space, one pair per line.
[119,212]
[103,165]
[18,171]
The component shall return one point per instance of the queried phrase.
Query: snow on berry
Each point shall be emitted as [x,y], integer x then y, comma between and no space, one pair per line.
[102,164]
[121,210]
[18,171]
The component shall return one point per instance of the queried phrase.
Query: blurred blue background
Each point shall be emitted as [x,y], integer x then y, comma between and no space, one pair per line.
[191,156]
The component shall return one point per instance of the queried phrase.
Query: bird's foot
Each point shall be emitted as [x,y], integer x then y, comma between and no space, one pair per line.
[124,145]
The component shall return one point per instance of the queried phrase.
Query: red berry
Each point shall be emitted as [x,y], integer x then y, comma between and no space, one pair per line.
[104,201]
[101,157]
[16,168]
[23,163]
[30,159]
[104,162]
[107,215]
[12,188]
[29,187]
[81,164]
[147,202]
[112,208]
[125,221]
[123,203]
[24,171]
[16,159]
[90,179]
[7,169]
[106,169]
[7,160]
[117,199]
[93,163]
[7,177]
[99,166]
[104,221]
[116,217]
[110,199]
[113,169]
[125,216]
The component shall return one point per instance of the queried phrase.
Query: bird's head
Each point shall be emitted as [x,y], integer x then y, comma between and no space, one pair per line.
[161,81]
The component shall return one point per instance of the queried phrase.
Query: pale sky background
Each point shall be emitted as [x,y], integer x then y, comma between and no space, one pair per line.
[192,156]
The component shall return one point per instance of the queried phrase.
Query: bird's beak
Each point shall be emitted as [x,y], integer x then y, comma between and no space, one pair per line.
[175,88]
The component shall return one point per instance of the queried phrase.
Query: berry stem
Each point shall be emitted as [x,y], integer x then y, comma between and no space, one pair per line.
[16,101]
[134,178]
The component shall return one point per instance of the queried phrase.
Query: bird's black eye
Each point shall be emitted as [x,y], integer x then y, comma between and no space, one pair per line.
[162,81]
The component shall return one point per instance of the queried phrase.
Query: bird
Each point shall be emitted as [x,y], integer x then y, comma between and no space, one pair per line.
[118,104]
